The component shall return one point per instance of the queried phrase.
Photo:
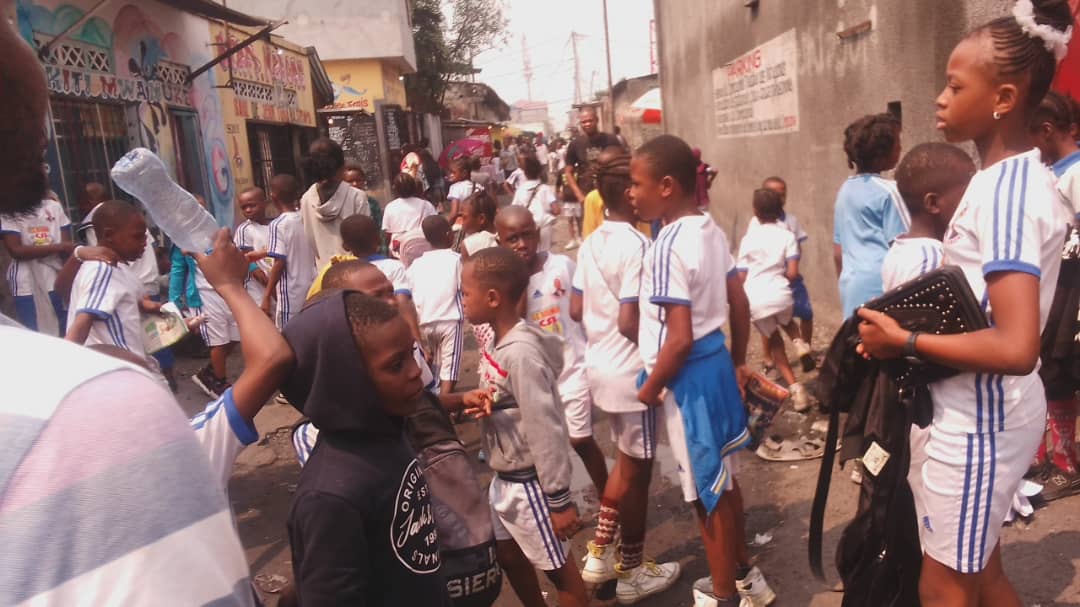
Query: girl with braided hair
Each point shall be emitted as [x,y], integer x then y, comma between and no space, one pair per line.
[604,299]
[1006,237]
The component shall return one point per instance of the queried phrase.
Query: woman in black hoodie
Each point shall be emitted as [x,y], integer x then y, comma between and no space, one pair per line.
[361,523]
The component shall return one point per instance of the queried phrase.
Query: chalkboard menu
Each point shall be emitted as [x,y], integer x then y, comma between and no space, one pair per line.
[356,135]
[396,130]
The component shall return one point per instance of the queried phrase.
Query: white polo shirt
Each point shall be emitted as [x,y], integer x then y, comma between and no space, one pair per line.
[111,295]
[608,275]
[1011,219]
[254,236]
[289,242]
[909,258]
[688,264]
[547,303]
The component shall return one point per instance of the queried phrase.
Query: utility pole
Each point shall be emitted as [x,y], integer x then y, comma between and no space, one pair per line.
[577,68]
[528,66]
[610,86]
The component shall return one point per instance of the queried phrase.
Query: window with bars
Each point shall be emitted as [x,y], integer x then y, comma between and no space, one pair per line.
[90,137]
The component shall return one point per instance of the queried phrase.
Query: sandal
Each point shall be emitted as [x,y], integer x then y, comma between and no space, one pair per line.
[775,449]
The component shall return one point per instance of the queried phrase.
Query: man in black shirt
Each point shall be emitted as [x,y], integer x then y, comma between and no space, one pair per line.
[580,171]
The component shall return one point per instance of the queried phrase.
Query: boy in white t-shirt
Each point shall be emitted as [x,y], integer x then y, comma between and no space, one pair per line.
[38,242]
[768,261]
[462,186]
[253,235]
[402,216]
[435,278]
[801,309]
[547,304]
[605,300]
[294,257]
[688,288]
[106,299]
[540,200]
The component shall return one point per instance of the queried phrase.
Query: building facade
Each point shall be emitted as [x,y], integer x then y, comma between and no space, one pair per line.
[767,88]
[121,78]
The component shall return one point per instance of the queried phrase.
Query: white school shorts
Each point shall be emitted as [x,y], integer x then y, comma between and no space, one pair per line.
[571,209]
[963,486]
[676,432]
[519,512]
[771,324]
[219,327]
[443,340]
[577,404]
[635,433]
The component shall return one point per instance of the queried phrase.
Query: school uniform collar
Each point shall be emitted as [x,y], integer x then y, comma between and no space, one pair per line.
[1065,163]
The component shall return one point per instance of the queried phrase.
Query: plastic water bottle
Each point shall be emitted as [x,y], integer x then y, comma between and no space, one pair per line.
[143,175]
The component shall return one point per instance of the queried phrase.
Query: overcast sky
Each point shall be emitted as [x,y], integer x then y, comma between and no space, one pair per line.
[546,26]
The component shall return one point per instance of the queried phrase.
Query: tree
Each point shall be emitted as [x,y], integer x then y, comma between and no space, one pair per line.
[446,48]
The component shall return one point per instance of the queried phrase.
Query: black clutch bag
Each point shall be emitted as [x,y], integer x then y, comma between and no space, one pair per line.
[939,302]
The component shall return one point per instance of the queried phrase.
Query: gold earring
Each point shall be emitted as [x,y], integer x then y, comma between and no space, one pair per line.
[997,116]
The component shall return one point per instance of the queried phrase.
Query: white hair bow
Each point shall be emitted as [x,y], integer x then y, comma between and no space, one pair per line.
[1056,41]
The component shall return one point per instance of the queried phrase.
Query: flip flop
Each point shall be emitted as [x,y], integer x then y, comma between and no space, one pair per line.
[774,450]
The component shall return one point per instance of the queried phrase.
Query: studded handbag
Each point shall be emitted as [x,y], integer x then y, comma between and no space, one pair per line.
[939,302]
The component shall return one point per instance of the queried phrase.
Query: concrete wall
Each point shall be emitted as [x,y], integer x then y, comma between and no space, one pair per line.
[900,59]
[342,29]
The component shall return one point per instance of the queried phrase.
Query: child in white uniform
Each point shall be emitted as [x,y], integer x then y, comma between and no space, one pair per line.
[1006,236]
[294,258]
[688,287]
[435,279]
[547,304]
[605,301]
[38,243]
[539,198]
[768,262]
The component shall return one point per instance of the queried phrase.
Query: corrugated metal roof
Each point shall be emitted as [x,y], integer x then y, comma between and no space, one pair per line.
[214,10]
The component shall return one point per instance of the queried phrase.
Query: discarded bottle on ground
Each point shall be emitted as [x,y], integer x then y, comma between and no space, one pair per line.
[143,175]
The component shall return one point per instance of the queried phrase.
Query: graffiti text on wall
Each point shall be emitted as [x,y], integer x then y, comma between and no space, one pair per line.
[81,83]
[758,92]
[268,66]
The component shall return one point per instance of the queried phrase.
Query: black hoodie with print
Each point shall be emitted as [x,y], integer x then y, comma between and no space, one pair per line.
[361,523]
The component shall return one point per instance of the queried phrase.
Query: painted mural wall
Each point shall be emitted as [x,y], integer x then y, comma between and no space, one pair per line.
[139,53]
[357,82]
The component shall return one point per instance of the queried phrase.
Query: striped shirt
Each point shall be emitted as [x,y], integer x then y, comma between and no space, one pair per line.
[223,433]
[111,295]
[253,236]
[1011,219]
[289,242]
[107,497]
[690,261]
[909,258]
[44,226]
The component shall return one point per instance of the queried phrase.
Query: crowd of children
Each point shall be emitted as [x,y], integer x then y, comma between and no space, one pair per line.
[360,341]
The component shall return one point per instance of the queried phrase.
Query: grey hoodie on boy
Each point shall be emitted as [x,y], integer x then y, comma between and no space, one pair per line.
[525,435]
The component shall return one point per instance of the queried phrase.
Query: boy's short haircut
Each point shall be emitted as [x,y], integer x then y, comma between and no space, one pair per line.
[613,176]
[404,186]
[931,168]
[774,179]
[434,227]
[768,206]
[352,166]
[113,214]
[338,274]
[532,167]
[482,202]
[95,192]
[359,233]
[667,155]
[251,190]
[364,312]
[870,140]
[286,186]
[500,269]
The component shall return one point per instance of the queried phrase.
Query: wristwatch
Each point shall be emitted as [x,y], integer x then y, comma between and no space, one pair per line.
[910,353]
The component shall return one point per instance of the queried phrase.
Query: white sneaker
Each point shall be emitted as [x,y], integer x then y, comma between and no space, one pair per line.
[704,597]
[802,349]
[799,399]
[754,590]
[645,580]
[599,564]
